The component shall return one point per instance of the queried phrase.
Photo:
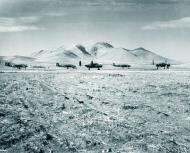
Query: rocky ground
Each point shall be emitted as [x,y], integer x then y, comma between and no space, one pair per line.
[124,112]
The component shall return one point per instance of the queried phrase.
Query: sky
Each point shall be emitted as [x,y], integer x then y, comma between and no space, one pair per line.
[162,26]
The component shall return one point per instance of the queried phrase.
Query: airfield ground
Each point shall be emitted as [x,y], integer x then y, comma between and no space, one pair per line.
[96,111]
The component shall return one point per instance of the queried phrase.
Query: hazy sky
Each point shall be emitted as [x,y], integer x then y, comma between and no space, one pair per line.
[162,26]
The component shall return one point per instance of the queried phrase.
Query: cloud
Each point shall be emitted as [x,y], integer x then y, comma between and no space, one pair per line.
[40,7]
[172,24]
[18,28]
[19,24]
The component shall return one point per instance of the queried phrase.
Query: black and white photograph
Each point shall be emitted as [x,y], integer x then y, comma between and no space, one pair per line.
[94,76]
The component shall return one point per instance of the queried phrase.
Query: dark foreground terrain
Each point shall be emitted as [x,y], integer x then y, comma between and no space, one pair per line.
[131,112]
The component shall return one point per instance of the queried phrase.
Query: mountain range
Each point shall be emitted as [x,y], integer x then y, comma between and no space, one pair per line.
[101,52]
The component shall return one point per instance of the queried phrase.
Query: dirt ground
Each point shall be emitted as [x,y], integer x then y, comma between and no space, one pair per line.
[120,112]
